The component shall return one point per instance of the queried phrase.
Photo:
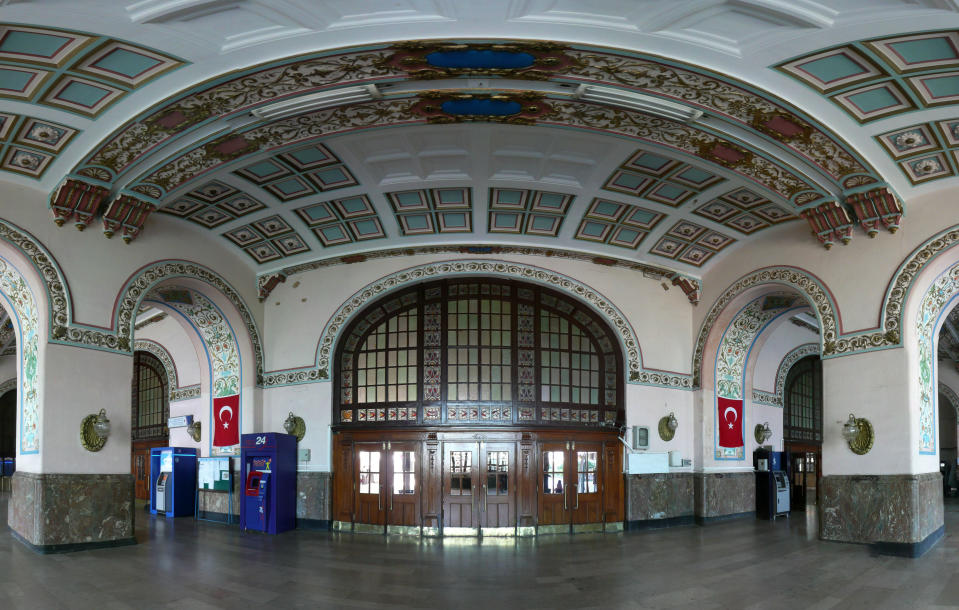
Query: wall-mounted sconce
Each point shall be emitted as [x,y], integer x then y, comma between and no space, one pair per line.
[295,425]
[94,430]
[194,431]
[859,434]
[667,427]
[762,432]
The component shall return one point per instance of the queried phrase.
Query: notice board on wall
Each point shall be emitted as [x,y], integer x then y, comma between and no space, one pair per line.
[214,473]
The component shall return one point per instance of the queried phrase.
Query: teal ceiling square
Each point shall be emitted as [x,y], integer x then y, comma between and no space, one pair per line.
[127,63]
[509,197]
[455,220]
[668,191]
[543,223]
[503,220]
[552,200]
[290,186]
[417,222]
[593,229]
[332,175]
[354,205]
[366,227]
[833,67]
[409,199]
[333,233]
[449,196]
[83,94]
[263,169]
[926,49]
[873,100]
[629,181]
[14,80]
[319,213]
[695,175]
[606,208]
[944,86]
[311,155]
[33,43]
[651,161]
[642,217]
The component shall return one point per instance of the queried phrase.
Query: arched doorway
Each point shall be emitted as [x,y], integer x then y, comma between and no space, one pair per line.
[802,430]
[477,406]
[150,402]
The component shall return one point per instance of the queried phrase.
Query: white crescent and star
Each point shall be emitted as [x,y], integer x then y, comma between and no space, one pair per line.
[219,415]
[735,416]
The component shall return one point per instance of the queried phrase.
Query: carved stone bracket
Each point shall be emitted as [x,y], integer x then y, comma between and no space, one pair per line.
[830,222]
[77,199]
[875,208]
[127,214]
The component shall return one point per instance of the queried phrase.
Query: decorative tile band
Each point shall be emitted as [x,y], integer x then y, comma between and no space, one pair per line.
[777,398]
[937,301]
[185,393]
[321,371]
[15,291]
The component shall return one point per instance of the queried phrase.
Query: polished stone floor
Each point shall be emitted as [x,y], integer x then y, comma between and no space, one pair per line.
[740,564]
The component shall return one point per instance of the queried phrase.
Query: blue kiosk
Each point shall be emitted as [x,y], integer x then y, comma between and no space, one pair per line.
[268,472]
[172,481]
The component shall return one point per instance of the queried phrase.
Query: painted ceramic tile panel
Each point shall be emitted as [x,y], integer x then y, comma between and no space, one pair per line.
[18,295]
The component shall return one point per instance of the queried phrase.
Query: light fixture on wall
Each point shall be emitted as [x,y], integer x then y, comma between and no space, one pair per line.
[859,434]
[762,432]
[295,425]
[667,427]
[194,430]
[94,430]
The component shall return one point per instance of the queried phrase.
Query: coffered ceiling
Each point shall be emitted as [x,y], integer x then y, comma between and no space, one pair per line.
[664,134]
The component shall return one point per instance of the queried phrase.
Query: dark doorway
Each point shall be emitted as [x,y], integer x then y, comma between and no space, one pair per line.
[8,424]
[802,431]
[151,409]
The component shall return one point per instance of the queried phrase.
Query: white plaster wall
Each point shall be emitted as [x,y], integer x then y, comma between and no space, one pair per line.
[170,333]
[761,414]
[779,341]
[311,402]
[297,310]
[97,268]
[870,385]
[645,405]
[79,382]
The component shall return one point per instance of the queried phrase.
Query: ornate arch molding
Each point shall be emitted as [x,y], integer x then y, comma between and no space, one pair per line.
[935,302]
[17,294]
[802,281]
[161,354]
[64,331]
[144,280]
[905,277]
[600,304]
[6,386]
[943,389]
[777,398]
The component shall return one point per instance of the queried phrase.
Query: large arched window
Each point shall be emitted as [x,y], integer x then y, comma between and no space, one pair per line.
[802,419]
[478,351]
[151,400]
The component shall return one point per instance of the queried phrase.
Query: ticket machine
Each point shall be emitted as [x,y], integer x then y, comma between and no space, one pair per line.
[269,482]
[172,481]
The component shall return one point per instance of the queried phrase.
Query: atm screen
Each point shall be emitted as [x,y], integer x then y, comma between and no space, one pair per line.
[166,461]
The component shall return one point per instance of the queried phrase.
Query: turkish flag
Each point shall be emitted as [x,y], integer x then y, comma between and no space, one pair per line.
[730,422]
[226,421]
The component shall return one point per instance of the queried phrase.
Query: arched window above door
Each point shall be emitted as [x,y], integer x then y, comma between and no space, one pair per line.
[802,416]
[151,399]
[478,351]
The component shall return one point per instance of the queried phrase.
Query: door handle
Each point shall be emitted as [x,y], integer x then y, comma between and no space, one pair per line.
[565,495]
[379,499]
[576,490]
[485,497]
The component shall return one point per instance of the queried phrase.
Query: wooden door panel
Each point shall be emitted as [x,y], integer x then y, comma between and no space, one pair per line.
[554,481]
[403,485]
[342,479]
[499,486]
[586,482]
[614,484]
[460,488]
[370,477]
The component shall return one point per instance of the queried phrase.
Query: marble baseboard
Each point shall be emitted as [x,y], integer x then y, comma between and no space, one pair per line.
[899,514]
[723,495]
[55,513]
[665,497]
[313,497]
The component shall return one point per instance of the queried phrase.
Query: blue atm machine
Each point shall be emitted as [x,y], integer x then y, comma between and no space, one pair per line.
[172,481]
[269,482]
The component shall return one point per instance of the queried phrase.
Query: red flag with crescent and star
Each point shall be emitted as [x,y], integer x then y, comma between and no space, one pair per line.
[226,416]
[730,422]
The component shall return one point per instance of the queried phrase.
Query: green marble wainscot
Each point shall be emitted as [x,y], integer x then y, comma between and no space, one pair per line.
[56,513]
[659,500]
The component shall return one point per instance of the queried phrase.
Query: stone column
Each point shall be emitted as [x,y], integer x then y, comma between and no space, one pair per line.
[888,497]
[70,498]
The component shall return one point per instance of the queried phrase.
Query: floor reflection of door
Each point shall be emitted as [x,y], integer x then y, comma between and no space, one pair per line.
[460,492]
[369,468]
[403,510]
[499,489]
[797,491]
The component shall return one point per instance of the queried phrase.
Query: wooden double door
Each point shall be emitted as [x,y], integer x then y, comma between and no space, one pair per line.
[490,484]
